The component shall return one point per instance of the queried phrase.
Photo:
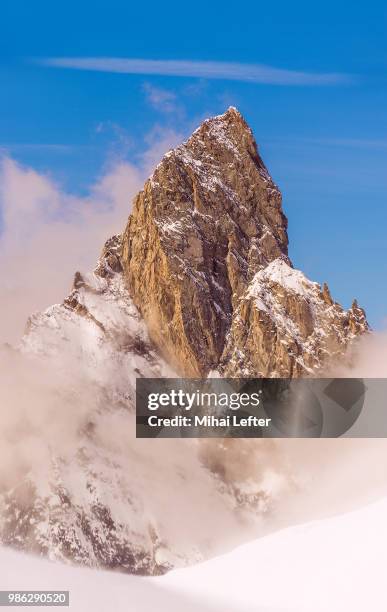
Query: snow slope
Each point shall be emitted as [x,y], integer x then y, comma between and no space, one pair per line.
[325,566]
[335,565]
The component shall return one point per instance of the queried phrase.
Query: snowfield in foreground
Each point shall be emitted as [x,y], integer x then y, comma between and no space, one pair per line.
[335,565]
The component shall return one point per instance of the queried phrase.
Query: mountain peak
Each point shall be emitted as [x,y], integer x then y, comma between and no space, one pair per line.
[207,222]
[228,132]
[232,116]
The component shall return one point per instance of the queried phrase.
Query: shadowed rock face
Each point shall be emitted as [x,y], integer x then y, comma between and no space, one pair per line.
[206,223]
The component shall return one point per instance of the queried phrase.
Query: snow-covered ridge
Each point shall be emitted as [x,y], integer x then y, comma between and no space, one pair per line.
[279,271]
[305,328]
[97,322]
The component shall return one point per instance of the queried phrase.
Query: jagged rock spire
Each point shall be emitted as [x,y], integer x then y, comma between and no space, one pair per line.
[206,221]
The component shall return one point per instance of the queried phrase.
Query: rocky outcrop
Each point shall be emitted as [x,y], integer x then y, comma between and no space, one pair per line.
[287,326]
[205,254]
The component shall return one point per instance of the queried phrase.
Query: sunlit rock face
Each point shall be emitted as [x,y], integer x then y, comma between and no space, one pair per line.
[205,258]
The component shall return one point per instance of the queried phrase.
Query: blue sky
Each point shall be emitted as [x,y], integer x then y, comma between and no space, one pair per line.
[322,133]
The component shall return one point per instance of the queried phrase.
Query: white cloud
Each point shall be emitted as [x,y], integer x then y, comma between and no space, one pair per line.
[47,233]
[254,73]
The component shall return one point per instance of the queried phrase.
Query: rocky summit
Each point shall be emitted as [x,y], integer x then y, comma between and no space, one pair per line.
[205,259]
[199,283]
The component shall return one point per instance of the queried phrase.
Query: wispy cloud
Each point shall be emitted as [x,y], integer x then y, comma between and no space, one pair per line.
[252,73]
[162,100]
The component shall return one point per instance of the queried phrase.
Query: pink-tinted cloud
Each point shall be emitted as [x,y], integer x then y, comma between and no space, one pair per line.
[47,233]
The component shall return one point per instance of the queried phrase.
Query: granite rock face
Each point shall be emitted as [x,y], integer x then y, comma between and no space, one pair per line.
[205,257]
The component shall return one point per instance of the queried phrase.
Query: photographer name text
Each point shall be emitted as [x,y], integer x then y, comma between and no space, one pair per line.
[207,421]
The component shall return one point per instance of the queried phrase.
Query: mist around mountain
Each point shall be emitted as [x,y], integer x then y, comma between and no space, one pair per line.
[199,282]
